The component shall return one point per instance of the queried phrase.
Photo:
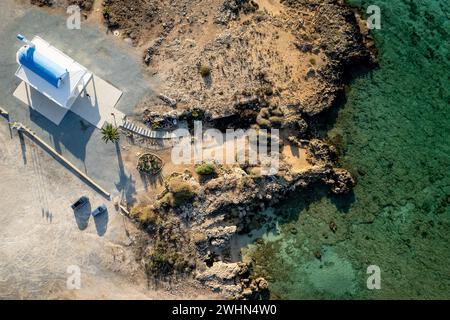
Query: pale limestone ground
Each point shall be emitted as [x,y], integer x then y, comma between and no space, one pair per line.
[40,236]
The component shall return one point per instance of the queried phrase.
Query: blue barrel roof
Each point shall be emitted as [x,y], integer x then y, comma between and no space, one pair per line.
[41,65]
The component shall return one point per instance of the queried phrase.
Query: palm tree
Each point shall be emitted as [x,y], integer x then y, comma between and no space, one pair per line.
[110,133]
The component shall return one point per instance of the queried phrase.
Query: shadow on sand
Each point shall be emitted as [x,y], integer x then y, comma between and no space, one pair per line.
[101,223]
[151,180]
[72,133]
[23,147]
[126,184]
[82,215]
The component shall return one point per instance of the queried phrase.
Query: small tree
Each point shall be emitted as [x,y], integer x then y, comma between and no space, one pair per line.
[205,169]
[110,133]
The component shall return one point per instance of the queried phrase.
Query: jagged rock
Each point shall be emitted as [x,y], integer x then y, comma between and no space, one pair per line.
[220,271]
[152,50]
[247,293]
[42,3]
[342,181]
[262,283]
[220,236]
[232,279]
[305,47]
[321,152]
[171,102]
[224,38]
[341,41]
[302,126]
[230,10]
[224,277]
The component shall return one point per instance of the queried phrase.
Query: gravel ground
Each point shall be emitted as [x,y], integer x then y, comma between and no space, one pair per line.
[40,236]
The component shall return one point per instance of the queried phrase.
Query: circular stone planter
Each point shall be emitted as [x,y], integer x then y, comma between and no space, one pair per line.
[149,163]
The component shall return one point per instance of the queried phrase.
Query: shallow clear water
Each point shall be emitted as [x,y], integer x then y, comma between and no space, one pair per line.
[395,132]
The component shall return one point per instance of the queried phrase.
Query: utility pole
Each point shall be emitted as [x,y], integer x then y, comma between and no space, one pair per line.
[114,116]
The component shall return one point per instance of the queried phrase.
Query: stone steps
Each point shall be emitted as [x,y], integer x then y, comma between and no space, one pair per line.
[152,134]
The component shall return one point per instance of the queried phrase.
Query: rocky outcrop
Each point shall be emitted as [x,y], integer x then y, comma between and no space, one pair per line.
[341,181]
[321,153]
[85,5]
[232,280]
[230,10]
[133,18]
[341,41]
[293,58]
[229,204]
[266,69]
[42,3]
[224,277]
[220,236]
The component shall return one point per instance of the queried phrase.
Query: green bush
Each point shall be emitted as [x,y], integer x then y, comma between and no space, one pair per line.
[276,121]
[144,214]
[149,163]
[163,260]
[179,192]
[205,71]
[205,169]
[167,199]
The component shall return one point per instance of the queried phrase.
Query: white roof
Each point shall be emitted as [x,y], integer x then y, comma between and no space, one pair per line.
[73,84]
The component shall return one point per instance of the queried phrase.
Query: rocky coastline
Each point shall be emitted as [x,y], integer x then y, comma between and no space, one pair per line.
[261,66]
[230,203]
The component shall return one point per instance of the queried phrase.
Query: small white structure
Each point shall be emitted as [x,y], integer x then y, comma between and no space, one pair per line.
[70,88]
[53,83]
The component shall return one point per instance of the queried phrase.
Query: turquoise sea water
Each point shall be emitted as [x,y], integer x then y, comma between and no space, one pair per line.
[395,135]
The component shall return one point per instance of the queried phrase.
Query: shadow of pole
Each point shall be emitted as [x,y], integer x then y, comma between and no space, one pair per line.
[23,147]
[125,185]
[122,173]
